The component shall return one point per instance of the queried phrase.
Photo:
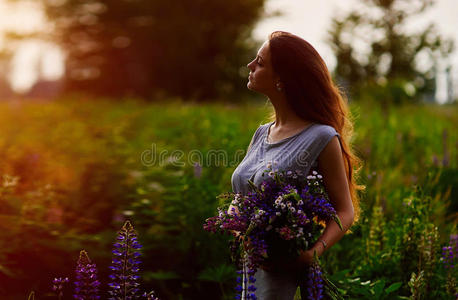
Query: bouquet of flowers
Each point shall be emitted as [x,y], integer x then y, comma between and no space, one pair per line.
[282,217]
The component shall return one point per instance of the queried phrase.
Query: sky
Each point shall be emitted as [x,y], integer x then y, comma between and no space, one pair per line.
[309,19]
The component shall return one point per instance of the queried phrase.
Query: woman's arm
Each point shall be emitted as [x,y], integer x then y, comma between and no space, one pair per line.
[331,167]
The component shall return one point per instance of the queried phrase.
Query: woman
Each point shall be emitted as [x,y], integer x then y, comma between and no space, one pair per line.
[311,131]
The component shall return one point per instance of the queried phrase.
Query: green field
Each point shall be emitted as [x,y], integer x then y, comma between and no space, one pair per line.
[74,170]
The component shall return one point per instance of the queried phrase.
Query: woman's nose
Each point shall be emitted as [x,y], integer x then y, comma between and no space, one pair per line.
[250,65]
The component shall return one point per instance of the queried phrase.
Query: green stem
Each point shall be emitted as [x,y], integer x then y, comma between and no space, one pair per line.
[124,268]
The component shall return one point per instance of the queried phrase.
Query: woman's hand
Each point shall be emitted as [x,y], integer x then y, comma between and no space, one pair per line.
[299,264]
[306,258]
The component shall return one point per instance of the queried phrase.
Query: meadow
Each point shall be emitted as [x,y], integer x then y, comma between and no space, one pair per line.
[74,170]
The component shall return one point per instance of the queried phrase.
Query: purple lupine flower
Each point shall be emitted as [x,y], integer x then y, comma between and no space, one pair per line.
[58,286]
[251,288]
[249,279]
[125,265]
[86,283]
[447,257]
[449,253]
[315,282]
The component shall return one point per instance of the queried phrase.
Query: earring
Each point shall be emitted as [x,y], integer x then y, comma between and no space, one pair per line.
[279,87]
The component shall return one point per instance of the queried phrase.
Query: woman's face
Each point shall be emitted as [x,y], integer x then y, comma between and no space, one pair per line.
[262,79]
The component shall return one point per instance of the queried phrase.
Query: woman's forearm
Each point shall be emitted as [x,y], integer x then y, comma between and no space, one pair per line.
[332,233]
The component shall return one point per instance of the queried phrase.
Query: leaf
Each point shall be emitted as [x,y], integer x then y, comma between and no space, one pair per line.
[331,290]
[222,273]
[337,220]
[395,286]
[340,275]
[253,186]
[161,275]
[363,290]
[378,288]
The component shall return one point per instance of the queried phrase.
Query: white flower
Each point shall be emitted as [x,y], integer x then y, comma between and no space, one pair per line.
[283,205]
[235,202]
[289,173]
[300,202]
[278,213]
[261,212]
[292,209]
[271,174]
[299,211]
[310,177]
[289,203]
[269,166]
[314,172]
[319,176]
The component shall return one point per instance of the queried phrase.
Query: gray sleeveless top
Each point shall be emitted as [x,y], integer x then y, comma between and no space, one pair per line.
[297,152]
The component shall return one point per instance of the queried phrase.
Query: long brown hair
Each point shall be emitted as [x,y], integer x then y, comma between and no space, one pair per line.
[312,94]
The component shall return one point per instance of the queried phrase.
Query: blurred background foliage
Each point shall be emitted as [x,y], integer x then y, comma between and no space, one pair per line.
[194,49]
[395,58]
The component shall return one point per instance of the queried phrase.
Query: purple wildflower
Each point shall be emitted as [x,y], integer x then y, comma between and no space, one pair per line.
[447,257]
[247,289]
[58,286]
[315,282]
[319,205]
[86,283]
[449,253]
[125,265]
